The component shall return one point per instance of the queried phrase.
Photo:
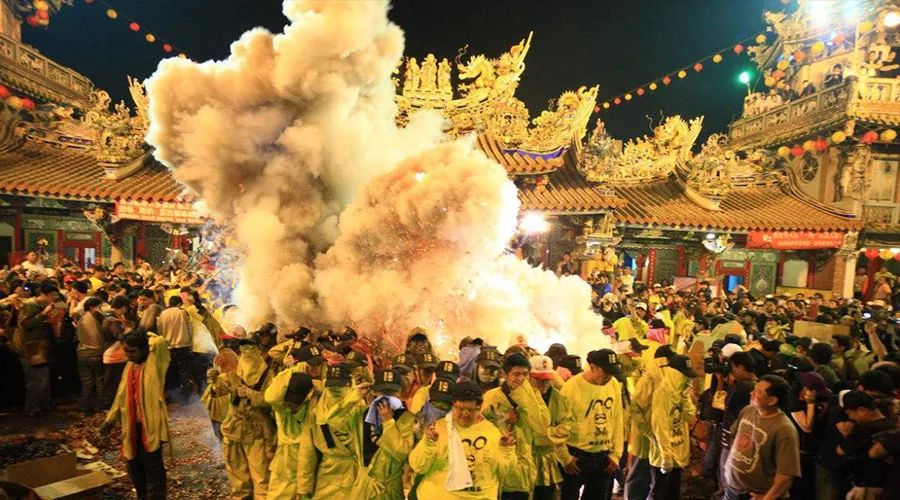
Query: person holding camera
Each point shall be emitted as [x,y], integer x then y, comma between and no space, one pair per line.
[736,377]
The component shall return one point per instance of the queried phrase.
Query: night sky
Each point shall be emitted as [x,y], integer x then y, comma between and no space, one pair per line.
[616,44]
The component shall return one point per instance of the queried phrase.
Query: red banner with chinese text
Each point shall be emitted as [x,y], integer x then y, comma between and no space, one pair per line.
[794,240]
[178,213]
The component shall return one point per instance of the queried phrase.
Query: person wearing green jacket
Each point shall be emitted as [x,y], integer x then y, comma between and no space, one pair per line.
[248,431]
[549,449]
[390,428]
[289,394]
[331,446]
[670,412]
[140,406]
[515,407]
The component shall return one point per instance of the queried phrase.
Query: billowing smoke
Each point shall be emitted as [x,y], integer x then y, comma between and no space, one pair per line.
[295,132]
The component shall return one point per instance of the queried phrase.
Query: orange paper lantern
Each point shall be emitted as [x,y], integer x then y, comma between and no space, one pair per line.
[617,101]
[799,55]
[738,48]
[698,67]
[821,144]
[167,47]
[134,26]
[872,253]
[640,91]
[797,150]
[870,137]
[666,80]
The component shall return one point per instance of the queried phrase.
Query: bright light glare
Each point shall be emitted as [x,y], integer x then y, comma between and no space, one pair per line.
[744,77]
[819,11]
[710,236]
[534,223]
[851,12]
[420,176]
[892,19]
[895,251]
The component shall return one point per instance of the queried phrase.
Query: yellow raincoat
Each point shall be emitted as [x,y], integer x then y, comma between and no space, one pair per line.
[283,469]
[532,414]
[549,448]
[155,418]
[626,328]
[419,398]
[641,435]
[331,446]
[383,478]
[670,412]
[487,461]
[248,430]
[599,423]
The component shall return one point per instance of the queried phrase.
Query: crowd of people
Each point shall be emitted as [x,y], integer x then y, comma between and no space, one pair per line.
[317,413]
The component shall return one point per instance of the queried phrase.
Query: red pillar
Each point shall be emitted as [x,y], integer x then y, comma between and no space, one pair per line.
[19,245]
[682,261]
[651,266]
[140,246]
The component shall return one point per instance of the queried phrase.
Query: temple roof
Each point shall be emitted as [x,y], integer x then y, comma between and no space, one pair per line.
[663,203]
[36,169]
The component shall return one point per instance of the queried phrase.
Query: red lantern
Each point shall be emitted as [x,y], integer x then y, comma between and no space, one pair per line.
[640,91]
[596,109]
[28,104]
[167,47]
[821,144]
[4,92]
[42,15]
[89,1]
[838,39]
[870,137]
[698,67]
[799,56]
[666,80]
[797,150]
[32,21]
[617,101]
[778,74]
[897,256]
[872,253]
[738,48]
[134,26]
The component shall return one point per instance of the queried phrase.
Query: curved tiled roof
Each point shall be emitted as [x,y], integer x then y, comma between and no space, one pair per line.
[36,169]
[663,203]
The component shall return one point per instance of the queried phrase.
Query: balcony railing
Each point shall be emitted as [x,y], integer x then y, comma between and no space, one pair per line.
[792,117]
[26,68]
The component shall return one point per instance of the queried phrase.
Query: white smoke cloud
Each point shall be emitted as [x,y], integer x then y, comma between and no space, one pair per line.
[295,132]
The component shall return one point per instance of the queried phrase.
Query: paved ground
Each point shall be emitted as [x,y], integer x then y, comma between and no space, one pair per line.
[193,461]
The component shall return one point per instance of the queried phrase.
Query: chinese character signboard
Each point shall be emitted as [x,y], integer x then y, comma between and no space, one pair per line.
[177,213]
[794,240]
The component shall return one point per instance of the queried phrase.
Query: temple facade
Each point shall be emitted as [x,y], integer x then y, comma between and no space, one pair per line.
[76,178]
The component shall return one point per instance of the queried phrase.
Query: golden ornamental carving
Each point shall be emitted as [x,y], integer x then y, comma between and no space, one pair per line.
[117,136]
[568,116]
[604,160]
[710,172]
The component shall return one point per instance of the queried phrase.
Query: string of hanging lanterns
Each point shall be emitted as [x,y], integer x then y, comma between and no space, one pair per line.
[682,73]
[114,14]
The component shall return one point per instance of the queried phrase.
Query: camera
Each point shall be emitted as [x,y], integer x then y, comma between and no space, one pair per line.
[715,364]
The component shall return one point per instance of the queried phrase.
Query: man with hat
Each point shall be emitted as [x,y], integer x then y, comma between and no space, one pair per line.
[417,342]
[569,366]
[597,440]
[487,371]
[405,365]
[549,448]
[360,373]
[295,340]
[425,364]
[290,394]
[671,410]
[637,484]
[447,370]
[390,433]
[440,400]
[309,359]
[248,430]
[633,325]
[515,407]
[463,456]
[331,452]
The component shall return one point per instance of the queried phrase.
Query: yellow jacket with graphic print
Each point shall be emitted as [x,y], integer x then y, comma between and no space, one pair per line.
[488,462]
[599,416]
[670,412]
